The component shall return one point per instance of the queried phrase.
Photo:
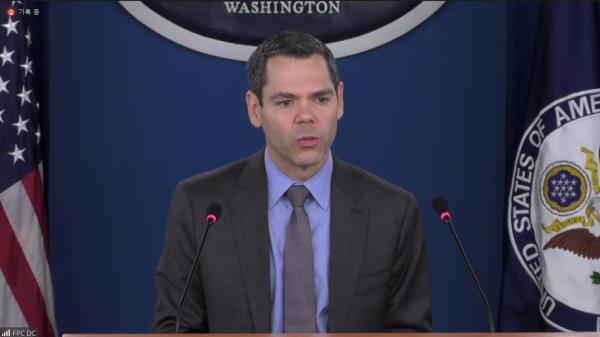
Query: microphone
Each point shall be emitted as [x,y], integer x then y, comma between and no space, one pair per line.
[213,212]
[440,205]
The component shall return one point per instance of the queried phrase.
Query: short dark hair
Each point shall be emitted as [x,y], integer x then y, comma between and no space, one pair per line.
[292,44]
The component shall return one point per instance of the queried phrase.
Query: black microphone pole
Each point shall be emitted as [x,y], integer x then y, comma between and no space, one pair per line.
[440,205]
[213,212]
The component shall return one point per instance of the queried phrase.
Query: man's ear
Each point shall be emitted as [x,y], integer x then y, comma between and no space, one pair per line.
[340,98]
[254,109]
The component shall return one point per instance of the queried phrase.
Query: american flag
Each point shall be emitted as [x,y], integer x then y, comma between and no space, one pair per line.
[26,298]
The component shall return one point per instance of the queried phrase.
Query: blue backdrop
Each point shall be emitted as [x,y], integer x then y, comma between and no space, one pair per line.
[131,114]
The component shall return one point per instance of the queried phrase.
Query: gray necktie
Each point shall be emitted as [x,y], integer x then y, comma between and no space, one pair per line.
[299,308]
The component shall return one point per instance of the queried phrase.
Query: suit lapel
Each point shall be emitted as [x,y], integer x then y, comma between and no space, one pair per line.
[251,233]
[348,234]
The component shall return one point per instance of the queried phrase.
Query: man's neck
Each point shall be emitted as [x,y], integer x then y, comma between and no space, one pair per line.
[298,174]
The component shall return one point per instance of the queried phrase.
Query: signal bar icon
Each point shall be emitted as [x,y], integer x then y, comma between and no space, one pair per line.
[6,333]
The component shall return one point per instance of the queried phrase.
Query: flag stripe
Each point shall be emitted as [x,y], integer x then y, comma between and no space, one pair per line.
[26,229]
[20,279]
[41,173]
[10,313]
[33,188]
[21,217]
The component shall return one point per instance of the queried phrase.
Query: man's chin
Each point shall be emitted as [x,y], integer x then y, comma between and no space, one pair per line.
[308,162]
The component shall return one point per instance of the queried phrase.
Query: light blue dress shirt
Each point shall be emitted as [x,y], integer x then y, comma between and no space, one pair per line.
[319,214]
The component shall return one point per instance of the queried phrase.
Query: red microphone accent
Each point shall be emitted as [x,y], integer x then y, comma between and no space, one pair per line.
[445,216]
[211,218]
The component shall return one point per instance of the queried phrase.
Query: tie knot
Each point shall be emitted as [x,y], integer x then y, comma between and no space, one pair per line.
[297,195]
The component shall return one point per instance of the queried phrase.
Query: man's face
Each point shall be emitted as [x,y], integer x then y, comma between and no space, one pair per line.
[299,113]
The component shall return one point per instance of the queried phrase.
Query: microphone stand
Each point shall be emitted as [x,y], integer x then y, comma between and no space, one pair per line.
[484,301]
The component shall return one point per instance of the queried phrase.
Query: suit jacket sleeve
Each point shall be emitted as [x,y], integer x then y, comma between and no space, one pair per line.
[181,242]
[409,300]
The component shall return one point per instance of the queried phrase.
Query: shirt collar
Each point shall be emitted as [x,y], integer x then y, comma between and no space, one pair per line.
[319,184]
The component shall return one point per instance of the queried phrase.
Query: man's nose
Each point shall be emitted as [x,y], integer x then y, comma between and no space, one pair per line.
[305,112]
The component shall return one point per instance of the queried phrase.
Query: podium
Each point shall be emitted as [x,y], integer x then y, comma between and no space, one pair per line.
[411,334]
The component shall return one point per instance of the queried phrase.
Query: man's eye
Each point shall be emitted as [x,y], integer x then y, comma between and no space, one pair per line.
[284,104]
[323,100]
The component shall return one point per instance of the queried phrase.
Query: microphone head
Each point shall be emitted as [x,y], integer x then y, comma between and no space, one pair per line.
[213,212]
[440,205]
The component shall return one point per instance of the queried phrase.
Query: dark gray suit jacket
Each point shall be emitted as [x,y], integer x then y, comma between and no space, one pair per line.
[378,277]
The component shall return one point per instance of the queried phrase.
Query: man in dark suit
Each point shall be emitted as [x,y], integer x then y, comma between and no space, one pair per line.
[306,242]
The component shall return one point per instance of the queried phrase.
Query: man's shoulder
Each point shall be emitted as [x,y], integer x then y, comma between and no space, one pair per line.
[371,185]
[227,172]
[220,178]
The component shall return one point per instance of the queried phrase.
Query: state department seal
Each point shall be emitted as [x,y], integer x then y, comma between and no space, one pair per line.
[554,210]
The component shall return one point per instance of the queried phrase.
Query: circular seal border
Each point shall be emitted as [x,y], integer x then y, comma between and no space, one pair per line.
[240,52]
[567,315]
[531,126]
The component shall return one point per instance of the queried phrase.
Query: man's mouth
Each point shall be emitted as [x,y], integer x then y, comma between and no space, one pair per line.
[307,142]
